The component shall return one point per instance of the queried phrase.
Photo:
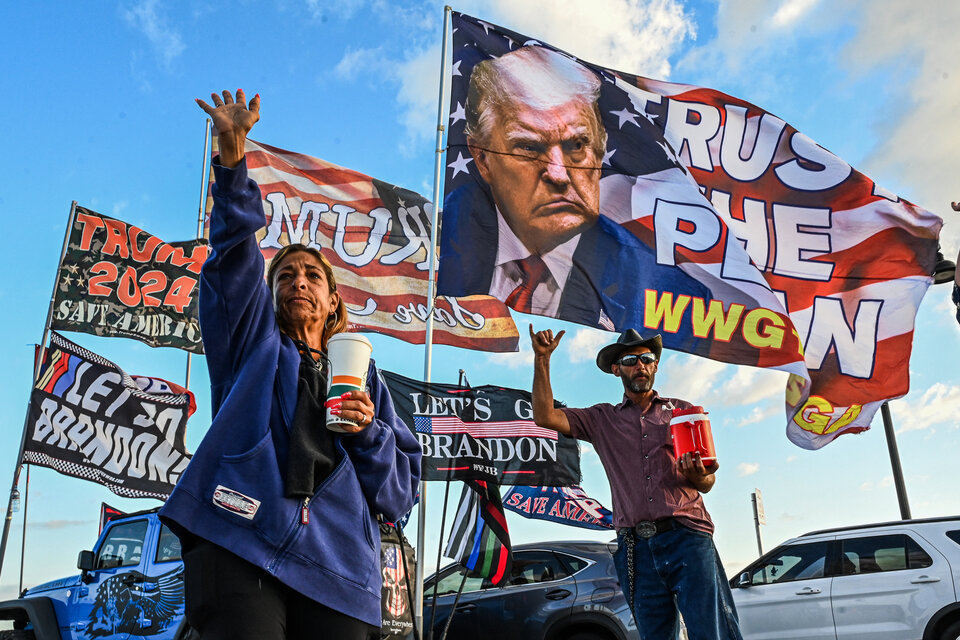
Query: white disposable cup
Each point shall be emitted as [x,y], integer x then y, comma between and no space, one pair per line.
[349,356]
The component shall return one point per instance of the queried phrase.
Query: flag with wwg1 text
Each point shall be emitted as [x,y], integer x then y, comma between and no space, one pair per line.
[479,539]
[615,201]
[376,236]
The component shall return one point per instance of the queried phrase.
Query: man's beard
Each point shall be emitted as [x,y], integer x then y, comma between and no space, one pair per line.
[637,386]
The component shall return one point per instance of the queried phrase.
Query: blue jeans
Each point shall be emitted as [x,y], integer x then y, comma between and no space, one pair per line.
[677,570]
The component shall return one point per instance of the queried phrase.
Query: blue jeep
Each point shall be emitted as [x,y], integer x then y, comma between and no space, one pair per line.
[130,587]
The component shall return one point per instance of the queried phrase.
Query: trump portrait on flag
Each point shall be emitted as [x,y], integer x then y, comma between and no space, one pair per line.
[530,229]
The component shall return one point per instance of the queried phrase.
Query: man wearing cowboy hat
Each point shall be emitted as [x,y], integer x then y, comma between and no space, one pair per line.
[666,560]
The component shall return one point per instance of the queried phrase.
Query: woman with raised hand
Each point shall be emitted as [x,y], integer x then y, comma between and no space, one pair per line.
[277,514]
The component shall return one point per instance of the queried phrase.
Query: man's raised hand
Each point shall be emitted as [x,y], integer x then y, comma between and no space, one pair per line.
[544,342]
[232,120]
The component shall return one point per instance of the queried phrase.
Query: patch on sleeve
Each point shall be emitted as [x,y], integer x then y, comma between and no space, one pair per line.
[235,502]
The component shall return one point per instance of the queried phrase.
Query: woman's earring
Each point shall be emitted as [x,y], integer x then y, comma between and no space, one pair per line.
[335,317]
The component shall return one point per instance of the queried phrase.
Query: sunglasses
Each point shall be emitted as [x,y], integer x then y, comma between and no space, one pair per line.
[633,358]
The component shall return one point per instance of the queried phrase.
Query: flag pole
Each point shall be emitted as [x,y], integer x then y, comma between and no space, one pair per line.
[431,294]
[23,542]
[443,523]
[204,181]
[37,360]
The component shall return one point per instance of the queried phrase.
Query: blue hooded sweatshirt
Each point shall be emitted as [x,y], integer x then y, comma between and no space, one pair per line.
[326,547]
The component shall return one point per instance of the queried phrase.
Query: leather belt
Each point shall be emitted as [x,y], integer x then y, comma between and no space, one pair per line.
[649,528]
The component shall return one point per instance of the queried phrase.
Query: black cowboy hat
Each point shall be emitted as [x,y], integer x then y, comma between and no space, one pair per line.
[628,339]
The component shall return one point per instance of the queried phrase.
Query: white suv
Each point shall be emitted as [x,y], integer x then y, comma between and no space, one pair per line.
[890,581]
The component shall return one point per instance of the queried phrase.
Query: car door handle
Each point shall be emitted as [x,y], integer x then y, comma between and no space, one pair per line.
[925,580]
[556,594]
[808,591]
[466,606]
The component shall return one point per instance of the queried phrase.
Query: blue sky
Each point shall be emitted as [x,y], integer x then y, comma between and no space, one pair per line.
[98,107]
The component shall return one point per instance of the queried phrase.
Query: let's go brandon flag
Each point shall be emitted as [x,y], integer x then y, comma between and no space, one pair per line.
[89,419]
[377,237]
[484,433]
[615,201]
[118,280]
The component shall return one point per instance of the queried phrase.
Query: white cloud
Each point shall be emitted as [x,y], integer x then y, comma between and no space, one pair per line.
[356,63]
[937,405]
[750,384]
[747,468]
[791,11]
[697,377]
[790,459]
[634,36]
[145,16]
[917,137]
[419,81]
[759,414]
[885,482]
[343,9]
[522,359]
[58,524]
[585,344]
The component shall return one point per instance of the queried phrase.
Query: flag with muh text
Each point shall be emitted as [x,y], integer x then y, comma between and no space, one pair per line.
[479,539]
[377,237]
[683,211]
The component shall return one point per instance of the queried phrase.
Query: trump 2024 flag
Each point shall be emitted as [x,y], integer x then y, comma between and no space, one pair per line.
[616,201]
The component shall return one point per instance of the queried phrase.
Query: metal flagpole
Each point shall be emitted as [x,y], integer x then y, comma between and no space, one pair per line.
[428,338]
[895,462]
[204,181]
[23,542]
[36,371]
[443,523]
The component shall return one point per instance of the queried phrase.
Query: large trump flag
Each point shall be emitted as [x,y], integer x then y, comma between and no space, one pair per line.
[616,201]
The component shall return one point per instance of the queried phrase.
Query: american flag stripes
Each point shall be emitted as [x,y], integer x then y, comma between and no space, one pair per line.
[376,236]
[479,539]
[493,429]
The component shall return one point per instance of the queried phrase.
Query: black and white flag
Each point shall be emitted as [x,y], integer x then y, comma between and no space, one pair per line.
[89,419]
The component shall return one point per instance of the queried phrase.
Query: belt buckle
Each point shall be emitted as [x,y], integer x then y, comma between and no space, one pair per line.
[646,529]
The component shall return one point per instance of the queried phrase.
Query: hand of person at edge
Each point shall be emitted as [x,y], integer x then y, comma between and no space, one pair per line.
[357,406]
[544,342]
[232,121]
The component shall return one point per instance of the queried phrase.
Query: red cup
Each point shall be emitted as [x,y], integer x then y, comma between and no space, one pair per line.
[690,432]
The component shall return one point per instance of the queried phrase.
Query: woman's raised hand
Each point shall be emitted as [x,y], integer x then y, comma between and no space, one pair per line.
[232,121]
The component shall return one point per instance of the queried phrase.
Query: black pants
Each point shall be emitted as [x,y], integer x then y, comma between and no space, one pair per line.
[228,598]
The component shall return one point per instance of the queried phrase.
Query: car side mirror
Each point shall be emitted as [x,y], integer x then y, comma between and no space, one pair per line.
[85,562]
[744,580]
